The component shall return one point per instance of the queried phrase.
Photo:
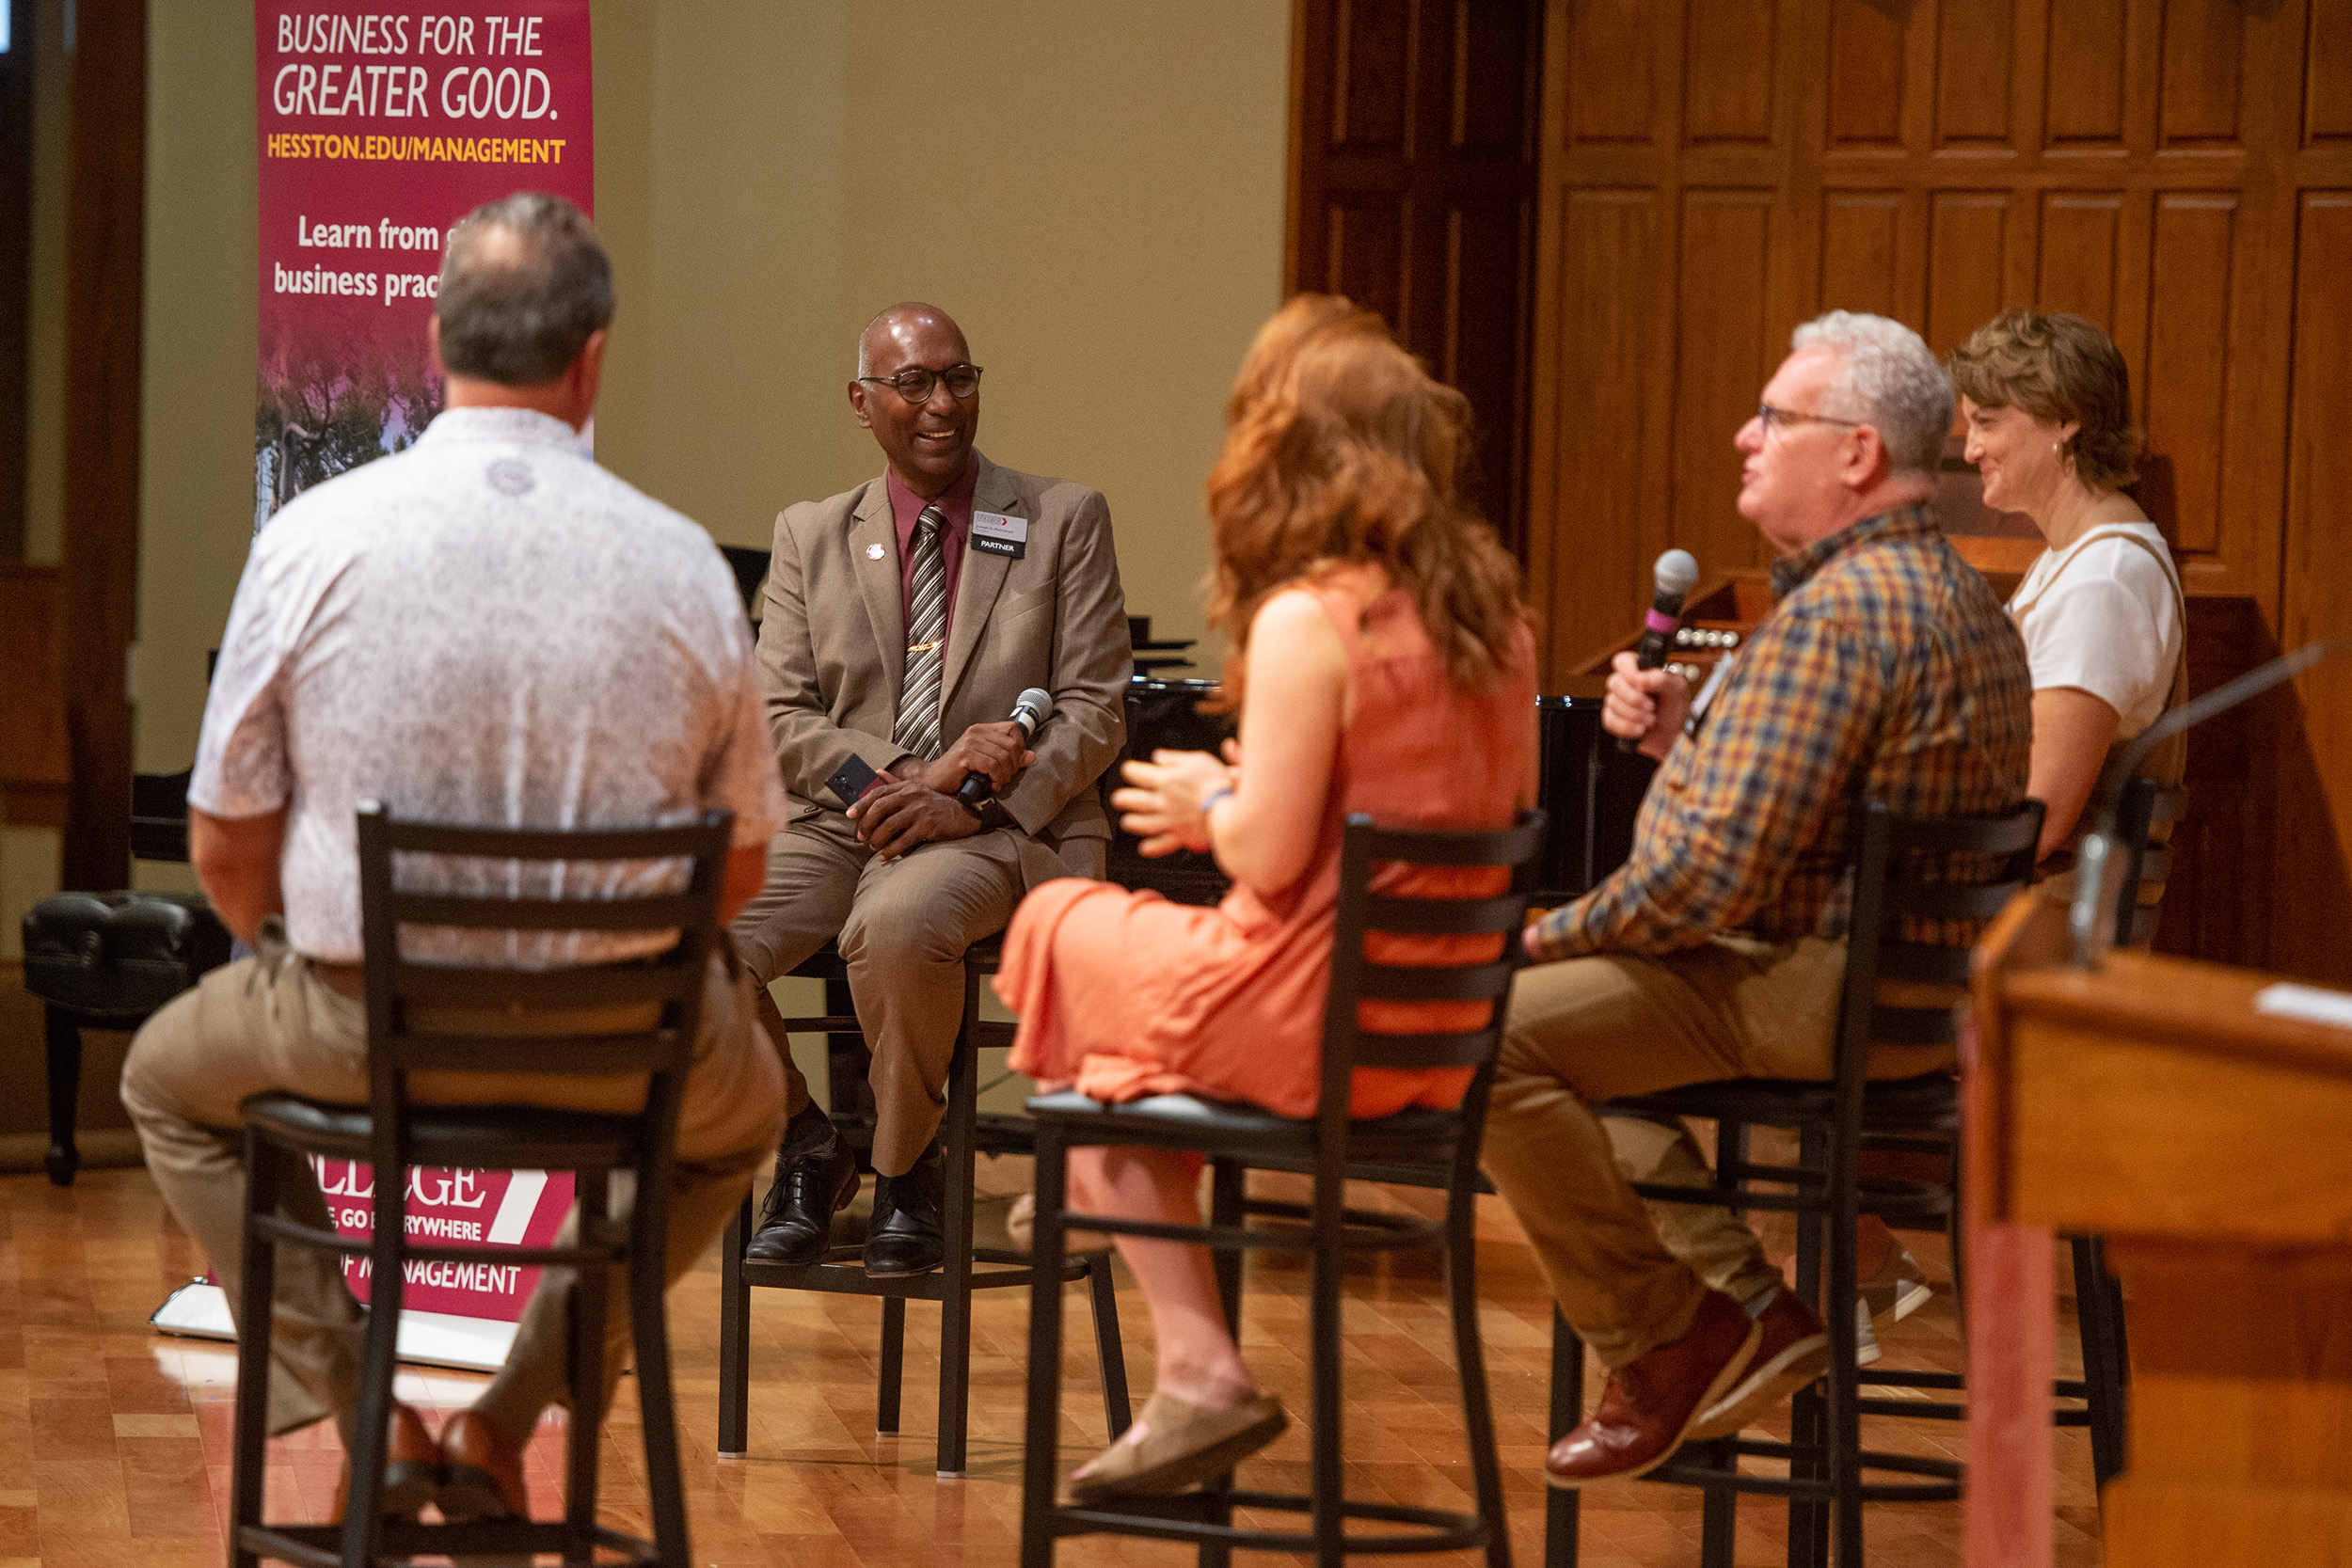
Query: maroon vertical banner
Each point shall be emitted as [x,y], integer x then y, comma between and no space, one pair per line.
[381,125]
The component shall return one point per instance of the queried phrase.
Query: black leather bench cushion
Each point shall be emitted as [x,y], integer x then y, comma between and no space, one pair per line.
[119,954]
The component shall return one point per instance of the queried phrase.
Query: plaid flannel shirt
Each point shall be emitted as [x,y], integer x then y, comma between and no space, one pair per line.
[1887,672]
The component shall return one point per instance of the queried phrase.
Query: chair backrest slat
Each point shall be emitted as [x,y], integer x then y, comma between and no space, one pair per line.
[634,1015]
[1433,983]
[1445,917]
[586,1056]
[1366,848]
[1947,900]
[1903,871]
[1410,1051]
[627,912]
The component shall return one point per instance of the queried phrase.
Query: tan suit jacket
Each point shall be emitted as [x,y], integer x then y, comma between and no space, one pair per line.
[833,649]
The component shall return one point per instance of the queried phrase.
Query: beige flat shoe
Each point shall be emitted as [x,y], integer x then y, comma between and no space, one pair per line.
[1021,1230]
[1175,1445]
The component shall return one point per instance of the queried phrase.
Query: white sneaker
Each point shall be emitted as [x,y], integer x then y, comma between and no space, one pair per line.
[1895,1293]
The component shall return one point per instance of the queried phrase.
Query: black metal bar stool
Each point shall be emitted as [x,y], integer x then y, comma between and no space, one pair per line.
[966,1268]
[1236,1138]
[474,1018]
[1899,990]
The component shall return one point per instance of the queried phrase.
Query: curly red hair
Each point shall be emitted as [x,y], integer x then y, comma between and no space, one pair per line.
[1341,450]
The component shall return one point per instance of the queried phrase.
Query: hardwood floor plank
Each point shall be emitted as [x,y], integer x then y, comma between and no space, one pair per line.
[118,1441]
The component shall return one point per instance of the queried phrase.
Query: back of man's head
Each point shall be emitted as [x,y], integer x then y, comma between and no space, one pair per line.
[524,284]
[1888,380]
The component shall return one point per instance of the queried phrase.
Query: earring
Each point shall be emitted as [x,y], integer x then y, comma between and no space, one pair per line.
[2059,447]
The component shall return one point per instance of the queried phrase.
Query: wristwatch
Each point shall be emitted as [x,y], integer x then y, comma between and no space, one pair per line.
[989,813]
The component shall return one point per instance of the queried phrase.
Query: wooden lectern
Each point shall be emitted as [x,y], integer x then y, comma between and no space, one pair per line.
[2212,1145]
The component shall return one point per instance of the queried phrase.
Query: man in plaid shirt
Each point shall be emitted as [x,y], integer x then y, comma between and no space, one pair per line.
[1887,671]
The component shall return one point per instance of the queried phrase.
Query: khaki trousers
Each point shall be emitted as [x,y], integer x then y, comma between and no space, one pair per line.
[268,1023]
[1591,1029]
[903,927]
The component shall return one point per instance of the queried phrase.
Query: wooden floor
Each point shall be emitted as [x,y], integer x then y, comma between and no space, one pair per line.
[114,1442]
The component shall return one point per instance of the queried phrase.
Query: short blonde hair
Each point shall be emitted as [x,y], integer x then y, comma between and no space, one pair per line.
[2057,367]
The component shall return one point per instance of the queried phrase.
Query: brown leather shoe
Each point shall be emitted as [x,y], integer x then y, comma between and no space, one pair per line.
[1652,1403]
[412,1469]
[485,1479]
[1794,1352]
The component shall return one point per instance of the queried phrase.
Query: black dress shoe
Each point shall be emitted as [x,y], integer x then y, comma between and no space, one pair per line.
[796,1222]
[908,1212]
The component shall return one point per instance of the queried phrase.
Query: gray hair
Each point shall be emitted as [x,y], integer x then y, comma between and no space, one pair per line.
[524,283]
[1887,378]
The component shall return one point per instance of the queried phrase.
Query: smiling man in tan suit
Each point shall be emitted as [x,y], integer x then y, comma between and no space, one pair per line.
[903,620]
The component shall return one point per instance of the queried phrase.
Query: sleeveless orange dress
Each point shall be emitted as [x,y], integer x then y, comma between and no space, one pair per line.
[1125,994]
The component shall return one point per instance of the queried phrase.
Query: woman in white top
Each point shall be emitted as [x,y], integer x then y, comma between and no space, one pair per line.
[2048,410]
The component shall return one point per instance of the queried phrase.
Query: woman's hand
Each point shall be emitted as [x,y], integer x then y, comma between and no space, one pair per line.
[1161,802]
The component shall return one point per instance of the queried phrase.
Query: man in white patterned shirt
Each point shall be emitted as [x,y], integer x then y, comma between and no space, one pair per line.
[486,628]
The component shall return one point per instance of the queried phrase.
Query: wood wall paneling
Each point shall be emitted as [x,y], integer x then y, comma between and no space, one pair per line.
[2185,389]
[2203,65]
[1866,75]
[1721,362]
[2328,77]
[1600,377]
[1371,109]
[1610,54]
[16,262]
[2083,74]
[1490,46]
[2316,791]
[1973,70]
[1370,258]
[2081,233]
[1968,244]
[107,182]
[1861,239]
[2172,168]
[1727,72]
[1413,167]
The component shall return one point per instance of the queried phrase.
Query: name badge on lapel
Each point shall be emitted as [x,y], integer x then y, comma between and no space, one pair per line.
[997,534]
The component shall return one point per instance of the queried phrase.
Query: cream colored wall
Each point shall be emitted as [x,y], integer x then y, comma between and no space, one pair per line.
[1095,191]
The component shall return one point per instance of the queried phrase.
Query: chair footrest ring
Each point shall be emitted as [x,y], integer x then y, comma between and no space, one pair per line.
[1188,1518]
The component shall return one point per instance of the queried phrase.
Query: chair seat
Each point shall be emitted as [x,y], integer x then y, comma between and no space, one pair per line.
[119,954]
[1929,1101]
[505,1137]
[1418,1136]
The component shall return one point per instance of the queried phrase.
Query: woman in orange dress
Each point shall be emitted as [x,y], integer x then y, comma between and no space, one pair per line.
[1383,663]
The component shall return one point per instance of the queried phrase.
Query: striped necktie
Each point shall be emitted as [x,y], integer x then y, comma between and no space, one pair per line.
[927,624]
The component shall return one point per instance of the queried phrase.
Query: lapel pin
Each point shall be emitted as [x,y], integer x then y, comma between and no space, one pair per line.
[873,552]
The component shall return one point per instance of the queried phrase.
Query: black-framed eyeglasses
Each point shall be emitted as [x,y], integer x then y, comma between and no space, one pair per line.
[915,385]
[1788,419]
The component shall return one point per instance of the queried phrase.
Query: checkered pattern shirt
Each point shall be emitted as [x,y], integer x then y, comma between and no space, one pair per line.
[1887,672]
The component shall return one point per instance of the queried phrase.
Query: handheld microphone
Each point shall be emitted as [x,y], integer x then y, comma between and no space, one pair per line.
[1675,573]
[1030,709]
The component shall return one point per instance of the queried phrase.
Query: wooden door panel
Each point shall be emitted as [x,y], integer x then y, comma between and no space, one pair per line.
[1865,76]
[1720,363]
[1861,250]
[2083,74]
[1967,258]
[2202,66]
[2185,389]
[1973,70]
[1369,255]
[2315,799]
[1490,49]
[1611,54]
[1727,72]
[1599,378]
[1371,106]
[2081,235]
[2328,77]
